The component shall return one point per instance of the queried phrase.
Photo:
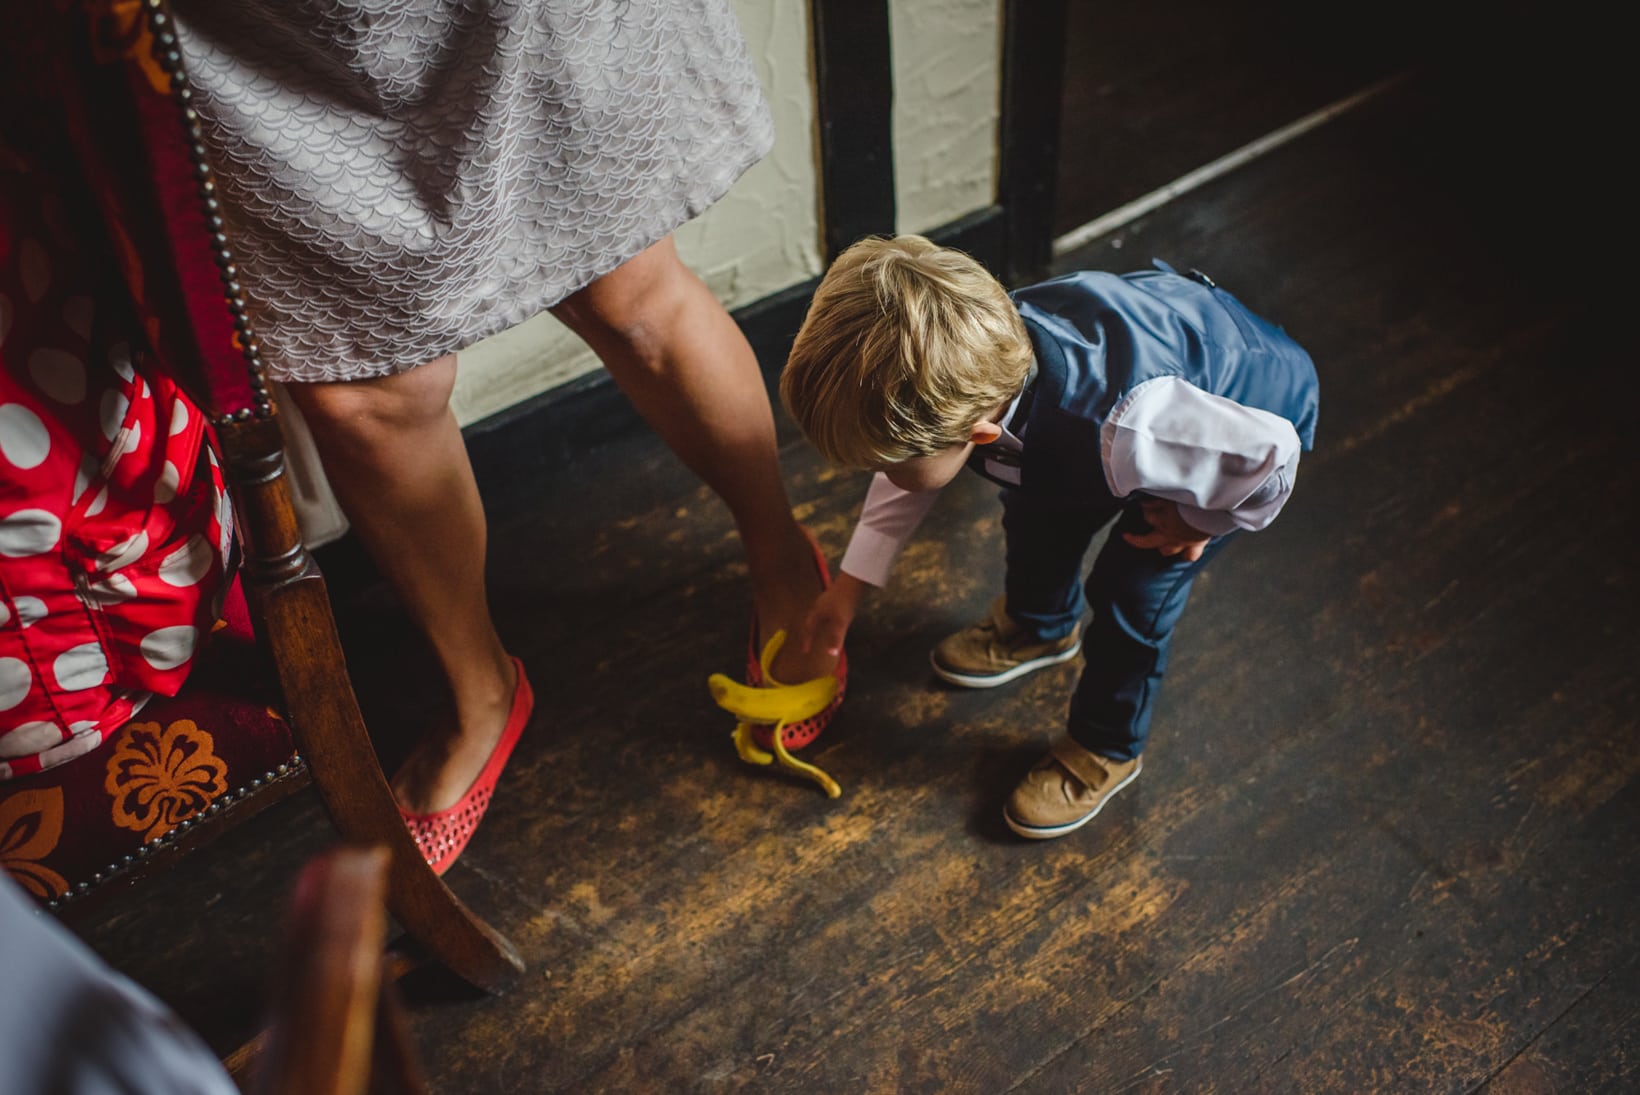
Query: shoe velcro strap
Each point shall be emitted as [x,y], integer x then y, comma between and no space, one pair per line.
[1088,767]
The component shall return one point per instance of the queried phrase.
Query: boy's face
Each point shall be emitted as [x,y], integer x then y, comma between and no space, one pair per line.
[935,471]
[928,472]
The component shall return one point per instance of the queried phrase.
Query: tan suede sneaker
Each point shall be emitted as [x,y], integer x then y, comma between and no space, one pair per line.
[1065,789]
[996,650]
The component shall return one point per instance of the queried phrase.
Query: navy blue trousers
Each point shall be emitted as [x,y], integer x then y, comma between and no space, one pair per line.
[1136,594]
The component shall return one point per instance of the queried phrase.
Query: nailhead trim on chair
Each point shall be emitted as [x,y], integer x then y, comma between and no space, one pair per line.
[288,770]
[167,54]
[169,58]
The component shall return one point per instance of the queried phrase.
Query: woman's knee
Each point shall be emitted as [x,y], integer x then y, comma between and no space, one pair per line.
[632,308]
[375,412]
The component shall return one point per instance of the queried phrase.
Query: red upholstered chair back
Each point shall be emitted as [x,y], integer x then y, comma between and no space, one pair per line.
[107,206]
[126,107]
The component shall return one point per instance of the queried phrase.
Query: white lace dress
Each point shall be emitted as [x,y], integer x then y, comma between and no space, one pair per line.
[401,178]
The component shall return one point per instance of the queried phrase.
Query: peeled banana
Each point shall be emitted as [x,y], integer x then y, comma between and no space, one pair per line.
[777,705]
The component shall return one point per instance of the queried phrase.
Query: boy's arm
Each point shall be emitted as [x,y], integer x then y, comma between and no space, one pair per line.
[887,520]
[1225,466]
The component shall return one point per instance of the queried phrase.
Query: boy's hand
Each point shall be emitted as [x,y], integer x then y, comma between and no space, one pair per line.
[828,621]
[1169,534]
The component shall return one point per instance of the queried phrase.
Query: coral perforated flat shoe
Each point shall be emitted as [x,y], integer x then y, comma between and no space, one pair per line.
[804,732]
[443,836]
[776,718]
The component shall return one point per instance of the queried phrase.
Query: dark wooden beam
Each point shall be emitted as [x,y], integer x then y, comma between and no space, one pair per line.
[854,101]
[1033,69]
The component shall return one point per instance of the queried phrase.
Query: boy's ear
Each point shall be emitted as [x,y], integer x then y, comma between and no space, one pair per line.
[984,432]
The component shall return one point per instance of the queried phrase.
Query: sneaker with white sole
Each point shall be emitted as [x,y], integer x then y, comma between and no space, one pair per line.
[997,650]
[1065,790]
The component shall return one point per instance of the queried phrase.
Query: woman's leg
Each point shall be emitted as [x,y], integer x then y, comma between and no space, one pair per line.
[690,372]
[395,458]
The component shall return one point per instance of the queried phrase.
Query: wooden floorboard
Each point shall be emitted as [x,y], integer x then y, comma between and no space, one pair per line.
[1385,835]
[1154,91]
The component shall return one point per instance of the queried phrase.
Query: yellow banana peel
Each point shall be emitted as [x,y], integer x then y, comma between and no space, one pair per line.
[778,705]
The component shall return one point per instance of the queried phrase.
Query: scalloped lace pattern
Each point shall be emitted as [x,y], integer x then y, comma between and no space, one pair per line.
[401,178]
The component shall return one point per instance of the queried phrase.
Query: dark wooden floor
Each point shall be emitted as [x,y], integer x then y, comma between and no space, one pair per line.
[1154,91]
[1386,835]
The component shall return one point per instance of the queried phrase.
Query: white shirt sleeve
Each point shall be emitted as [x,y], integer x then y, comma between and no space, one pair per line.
[1227,466]
[887,520]
[72,1023]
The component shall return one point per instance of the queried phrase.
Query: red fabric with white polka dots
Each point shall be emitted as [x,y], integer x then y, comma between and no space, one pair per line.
[114,525]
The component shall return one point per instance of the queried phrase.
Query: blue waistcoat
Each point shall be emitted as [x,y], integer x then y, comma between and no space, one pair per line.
[1097,336]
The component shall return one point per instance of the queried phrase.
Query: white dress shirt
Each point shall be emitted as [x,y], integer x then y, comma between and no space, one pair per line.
[1225,465]
[71,1024]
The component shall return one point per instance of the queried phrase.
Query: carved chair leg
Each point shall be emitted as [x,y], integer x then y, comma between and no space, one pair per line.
[331,735]
[292,610]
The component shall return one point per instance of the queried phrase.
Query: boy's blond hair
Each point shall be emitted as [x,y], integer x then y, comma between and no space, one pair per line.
[906,347]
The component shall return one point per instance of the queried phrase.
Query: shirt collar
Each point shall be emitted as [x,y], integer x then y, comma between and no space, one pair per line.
[1013,418]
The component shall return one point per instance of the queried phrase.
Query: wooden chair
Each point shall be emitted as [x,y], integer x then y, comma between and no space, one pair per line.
[335,1026]
[112,72]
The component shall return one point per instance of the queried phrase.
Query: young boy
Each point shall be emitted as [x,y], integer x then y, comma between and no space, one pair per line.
[1153,399]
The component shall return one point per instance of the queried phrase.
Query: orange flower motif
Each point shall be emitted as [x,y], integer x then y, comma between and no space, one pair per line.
[160,778]
[31,824]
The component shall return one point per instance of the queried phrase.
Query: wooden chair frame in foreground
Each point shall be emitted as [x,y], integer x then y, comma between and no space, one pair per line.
[335,1026]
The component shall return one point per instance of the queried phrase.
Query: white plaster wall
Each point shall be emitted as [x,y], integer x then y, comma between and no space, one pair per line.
[761,238]
[947,94]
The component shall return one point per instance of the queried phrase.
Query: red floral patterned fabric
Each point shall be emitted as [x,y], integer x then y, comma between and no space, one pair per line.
[66,828]
[99,194]
[114,523]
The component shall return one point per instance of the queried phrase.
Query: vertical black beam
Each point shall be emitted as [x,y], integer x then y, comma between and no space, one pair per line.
[854,93]
[1033,74]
